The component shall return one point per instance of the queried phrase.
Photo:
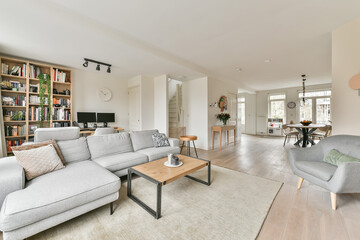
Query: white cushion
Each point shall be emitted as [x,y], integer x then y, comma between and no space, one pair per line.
[121,161]
[160,152]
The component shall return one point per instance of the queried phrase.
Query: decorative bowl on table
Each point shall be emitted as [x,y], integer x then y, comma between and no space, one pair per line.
[306,122]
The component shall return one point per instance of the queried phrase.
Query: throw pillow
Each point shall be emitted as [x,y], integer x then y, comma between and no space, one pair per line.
[41,144]
[336,158]
[160,140]
[38,161]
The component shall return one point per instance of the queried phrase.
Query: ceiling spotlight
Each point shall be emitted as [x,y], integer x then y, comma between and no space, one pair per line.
[239,69]
[98,67]
[86,64]
[109,70]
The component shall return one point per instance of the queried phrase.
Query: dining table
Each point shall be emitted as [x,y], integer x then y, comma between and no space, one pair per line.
[305,131]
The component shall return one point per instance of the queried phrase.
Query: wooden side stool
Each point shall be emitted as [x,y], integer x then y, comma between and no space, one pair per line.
[188,139]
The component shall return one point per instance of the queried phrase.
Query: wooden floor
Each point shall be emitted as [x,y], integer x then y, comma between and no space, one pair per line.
[295,214]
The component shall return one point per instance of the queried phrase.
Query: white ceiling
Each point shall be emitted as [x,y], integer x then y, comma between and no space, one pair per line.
[182,37]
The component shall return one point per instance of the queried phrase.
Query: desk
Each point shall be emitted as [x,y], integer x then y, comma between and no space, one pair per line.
[91,131]
[305,131]
[220,130]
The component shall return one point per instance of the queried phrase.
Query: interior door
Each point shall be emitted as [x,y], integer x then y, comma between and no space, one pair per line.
[134,109]
[232,109]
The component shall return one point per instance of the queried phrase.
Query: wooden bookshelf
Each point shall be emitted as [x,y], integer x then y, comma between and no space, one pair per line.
[59,85]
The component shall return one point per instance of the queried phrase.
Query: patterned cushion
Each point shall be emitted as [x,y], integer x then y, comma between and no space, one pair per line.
[160,140]
[38,161]
[40,144]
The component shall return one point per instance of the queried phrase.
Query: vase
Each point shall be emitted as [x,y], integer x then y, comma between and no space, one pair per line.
[224,122]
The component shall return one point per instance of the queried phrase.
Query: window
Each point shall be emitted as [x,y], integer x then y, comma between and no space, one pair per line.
[317,106]
[277,106]
[241,102]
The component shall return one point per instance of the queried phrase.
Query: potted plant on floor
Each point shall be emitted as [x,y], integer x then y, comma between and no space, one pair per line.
[223,117]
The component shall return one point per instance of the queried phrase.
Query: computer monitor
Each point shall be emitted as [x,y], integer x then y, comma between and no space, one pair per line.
[105,118]
[85,117]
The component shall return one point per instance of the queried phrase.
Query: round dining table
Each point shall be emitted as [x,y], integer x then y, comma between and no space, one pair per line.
[305,131]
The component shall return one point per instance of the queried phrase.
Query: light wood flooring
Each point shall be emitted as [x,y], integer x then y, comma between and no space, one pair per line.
[295,214]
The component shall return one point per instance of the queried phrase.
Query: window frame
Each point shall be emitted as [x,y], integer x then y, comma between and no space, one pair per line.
[277,100]
[313,102]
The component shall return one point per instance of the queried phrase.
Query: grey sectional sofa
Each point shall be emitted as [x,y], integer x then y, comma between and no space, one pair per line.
[29,207]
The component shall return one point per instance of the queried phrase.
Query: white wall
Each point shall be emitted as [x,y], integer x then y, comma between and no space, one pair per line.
[161,110]
[345,64]
[195,103]
[217,89]
[147,103]
[85,96]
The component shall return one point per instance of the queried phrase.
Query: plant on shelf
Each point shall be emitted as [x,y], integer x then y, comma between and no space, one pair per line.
[45,82]
[17,116]
[224,117]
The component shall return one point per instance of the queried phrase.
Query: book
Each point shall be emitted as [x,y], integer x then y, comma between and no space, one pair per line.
[4,68]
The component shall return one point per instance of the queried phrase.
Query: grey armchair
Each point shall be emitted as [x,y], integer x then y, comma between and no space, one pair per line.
[308,164]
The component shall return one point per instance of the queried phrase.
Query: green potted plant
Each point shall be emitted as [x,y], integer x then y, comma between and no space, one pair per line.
[18,116]
[224,117]
[45,83]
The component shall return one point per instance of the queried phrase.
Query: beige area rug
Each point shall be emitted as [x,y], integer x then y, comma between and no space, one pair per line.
[233,207]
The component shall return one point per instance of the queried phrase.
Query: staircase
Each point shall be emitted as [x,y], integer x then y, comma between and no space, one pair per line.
[176,115]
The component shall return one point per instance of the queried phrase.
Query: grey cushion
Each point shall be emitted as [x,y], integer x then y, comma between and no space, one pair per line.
[66,133]
[57,192]
[157,153]
[321,170]
[121,161]
[74,150]
[103,131]
[160,140]
[109,144]
[142,139]
[12,177]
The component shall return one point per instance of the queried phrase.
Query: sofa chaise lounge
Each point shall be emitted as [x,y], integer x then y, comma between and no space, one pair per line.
[29,207]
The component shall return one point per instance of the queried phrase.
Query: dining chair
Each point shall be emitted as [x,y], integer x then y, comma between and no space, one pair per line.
[321,133]
[288,132]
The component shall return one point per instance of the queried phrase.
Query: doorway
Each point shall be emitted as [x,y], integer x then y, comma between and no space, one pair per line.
[134,108]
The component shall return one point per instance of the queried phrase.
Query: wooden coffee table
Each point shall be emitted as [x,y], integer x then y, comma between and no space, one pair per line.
[161,175]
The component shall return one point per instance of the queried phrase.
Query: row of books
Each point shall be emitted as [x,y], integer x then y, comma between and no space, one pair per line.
[59,76]
[61,114]
[35,113]
[61,102]
[34,99]
[61,124]
[12,143]
[15,115]
[14,101]
[15,130]
[15,70]
[34,71]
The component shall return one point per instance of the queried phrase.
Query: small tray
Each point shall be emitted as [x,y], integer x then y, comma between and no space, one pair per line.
[169,165]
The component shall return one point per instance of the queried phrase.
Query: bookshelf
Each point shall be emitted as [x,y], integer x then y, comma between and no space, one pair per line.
[22,95]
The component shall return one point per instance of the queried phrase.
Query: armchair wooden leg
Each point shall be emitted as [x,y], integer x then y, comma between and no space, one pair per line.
[300,183]
[333,200]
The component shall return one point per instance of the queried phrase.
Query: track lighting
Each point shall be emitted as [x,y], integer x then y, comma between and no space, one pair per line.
[87,60]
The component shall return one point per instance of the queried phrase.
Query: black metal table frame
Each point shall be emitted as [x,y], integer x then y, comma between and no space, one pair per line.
[305,136]
[157,214]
